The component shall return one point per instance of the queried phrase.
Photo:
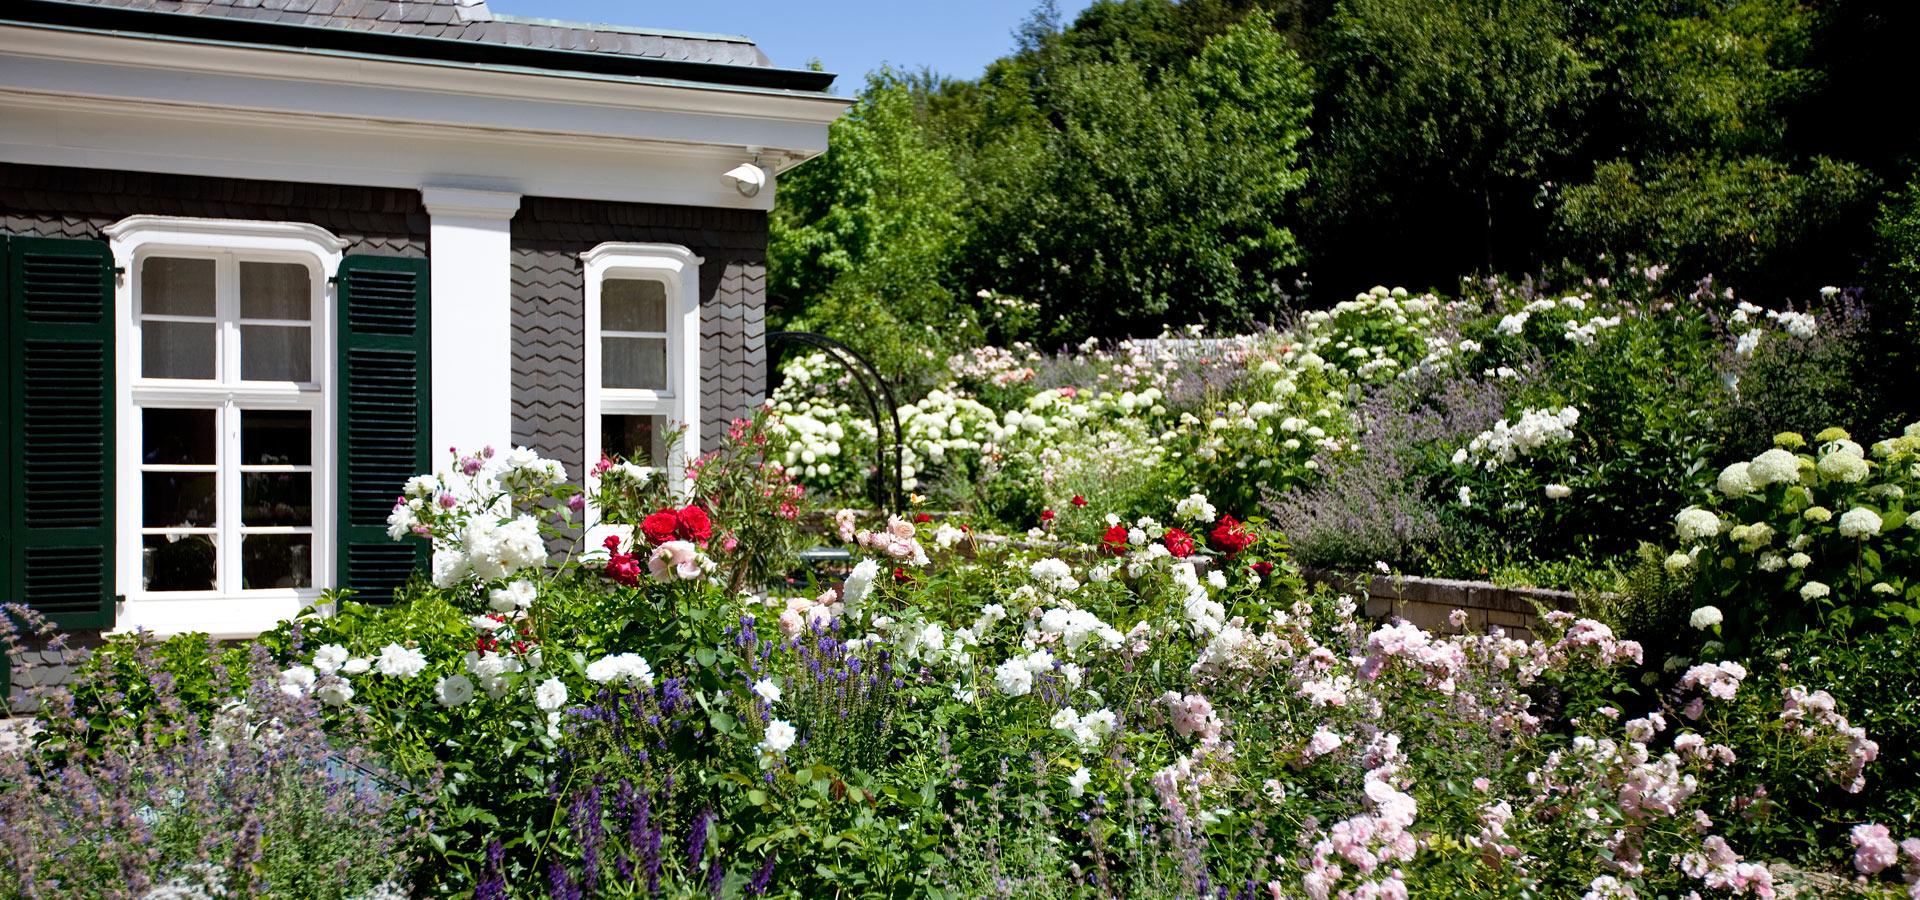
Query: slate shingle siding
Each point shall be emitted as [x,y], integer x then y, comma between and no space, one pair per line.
[549,375]
[52,201]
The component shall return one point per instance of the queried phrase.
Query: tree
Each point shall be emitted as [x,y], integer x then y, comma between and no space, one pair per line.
[1440,118]
[1141,198]
[863,238]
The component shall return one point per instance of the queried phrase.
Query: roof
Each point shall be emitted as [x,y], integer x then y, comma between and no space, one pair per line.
[465,30]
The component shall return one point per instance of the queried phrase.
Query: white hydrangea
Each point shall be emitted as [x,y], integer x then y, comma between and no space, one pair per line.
[1859,522]
[1734,481]
[1775,466]
[1558,491]
[1844,464]
[1696,524]
[1814,590]
[1705,617]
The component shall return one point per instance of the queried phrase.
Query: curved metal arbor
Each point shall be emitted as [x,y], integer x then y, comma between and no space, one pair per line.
[888,461]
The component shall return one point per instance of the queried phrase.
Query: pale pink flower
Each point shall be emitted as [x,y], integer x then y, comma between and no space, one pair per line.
[1873,848]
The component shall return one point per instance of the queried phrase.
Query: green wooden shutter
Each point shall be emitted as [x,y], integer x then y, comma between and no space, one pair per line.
[60,429]
[384,439]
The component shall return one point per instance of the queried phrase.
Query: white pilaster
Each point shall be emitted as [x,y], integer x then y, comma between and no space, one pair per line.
[472,274]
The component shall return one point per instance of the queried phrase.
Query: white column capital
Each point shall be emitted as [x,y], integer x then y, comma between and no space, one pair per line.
[462,203]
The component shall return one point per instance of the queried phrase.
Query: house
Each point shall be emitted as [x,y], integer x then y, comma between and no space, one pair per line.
[267,259]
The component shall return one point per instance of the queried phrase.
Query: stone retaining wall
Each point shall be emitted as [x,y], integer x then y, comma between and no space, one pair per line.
[1427,602]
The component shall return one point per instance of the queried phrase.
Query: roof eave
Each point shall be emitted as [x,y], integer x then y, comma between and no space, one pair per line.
[135,22]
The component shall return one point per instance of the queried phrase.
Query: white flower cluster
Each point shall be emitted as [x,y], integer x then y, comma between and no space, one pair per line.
[621,668]
[489,550]
[1054,575]
[1086,731]
[1504,443]
[1076,626]
[1798,324]
[1015,676]
[522,469]
[1195,509]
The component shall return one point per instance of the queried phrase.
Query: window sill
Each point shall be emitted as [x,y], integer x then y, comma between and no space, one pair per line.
[225,617]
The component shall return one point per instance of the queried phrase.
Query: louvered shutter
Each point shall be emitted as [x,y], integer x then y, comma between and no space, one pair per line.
[60,429]
[384,416]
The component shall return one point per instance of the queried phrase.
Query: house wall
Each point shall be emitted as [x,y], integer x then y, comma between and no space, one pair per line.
[53,201]
[548,236]
[549,379]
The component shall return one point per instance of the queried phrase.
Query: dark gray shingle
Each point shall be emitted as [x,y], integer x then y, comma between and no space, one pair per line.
[468,20]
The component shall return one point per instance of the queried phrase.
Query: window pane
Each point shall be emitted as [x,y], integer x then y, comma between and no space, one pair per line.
[176,349]
[638,439]
[276,498]
[633,363]
[630,305]
[177,562]
[176,437]
[276,437]
[178,499]
[276,561]
[176,287]
[276,353]
[275,291]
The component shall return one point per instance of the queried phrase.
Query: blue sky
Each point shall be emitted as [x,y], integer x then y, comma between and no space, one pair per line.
[850,37]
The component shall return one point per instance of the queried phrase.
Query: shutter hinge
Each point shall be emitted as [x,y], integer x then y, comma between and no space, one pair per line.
[333,279]
[119,270]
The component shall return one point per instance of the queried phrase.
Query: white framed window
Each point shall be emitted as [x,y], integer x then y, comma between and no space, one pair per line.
[225,449]
[642,354]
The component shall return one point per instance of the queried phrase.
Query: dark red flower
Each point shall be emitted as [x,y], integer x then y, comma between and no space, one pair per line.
[1230,537]
[624,568]
[901,575]
[1178,543]
[1078,500]
[660,526]
[1046,515]
[1115,540]
[694,526]
[922,517]
[1262,569]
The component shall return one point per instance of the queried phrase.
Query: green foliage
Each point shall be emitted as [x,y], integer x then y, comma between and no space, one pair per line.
[1737,217]
[1149,193]
[861,244]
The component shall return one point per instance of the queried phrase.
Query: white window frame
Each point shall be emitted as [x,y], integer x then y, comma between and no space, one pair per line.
[235,613]
[679,269]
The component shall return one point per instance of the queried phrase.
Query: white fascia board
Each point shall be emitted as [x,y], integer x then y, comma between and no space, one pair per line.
[77,98]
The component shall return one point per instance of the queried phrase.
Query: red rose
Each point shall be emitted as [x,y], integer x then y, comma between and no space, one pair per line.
[1078,500]
[922,517]
[1262,569]
[1046,515]
[1230,537]
[1178,543]
[1115,540]
[624,568]
[694,526]
[901,575]
[660,526]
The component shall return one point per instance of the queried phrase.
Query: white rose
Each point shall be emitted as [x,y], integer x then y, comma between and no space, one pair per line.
[550,695]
